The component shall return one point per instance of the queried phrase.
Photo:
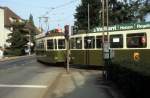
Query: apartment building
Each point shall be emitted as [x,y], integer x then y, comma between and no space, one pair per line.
[7,17]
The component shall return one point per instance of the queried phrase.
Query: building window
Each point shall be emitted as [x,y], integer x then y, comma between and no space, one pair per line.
[116,41]
[136,40]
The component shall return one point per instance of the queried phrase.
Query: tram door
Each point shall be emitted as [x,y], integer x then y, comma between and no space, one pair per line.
[89,45]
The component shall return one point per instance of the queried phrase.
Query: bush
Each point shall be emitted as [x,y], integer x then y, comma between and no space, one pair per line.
[133,84]
[14,52]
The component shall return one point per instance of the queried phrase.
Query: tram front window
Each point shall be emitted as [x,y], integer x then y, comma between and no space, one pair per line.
[50,44]
[61,44]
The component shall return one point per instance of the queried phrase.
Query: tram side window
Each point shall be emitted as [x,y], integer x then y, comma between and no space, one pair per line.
[116,41]
[72,43]
[98,41]
[40,45]
[61,43]
[89,42]
[50,44]
[136,40]
[76,43]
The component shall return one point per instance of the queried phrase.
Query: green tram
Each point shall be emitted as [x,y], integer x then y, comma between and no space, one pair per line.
[129,45]
[51,48]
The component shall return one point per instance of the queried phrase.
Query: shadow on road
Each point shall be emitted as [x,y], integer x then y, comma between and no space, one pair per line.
[63,65]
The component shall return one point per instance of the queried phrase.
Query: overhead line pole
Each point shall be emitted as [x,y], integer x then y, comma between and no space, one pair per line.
[88,17]
[103,21]
[107,9]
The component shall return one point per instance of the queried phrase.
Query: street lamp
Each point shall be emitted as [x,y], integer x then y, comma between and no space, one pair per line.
[28,27]
[29,44]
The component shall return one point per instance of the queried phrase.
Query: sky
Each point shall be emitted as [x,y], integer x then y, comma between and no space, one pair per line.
[59,12]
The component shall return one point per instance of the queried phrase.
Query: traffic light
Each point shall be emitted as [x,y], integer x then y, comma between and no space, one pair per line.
[74,30]
[66,31]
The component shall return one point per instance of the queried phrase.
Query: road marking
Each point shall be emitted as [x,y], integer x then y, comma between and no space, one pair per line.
[23,86]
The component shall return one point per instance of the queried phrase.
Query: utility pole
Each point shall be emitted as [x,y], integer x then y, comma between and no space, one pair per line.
[29,42]
[107,9]
[88,17]
[45,21]
[103,22]
[67,43]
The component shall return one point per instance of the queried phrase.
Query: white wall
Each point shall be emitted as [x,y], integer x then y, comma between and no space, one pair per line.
[2,28]
[3,31]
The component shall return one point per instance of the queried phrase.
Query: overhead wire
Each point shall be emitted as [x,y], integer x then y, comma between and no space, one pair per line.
[58,6]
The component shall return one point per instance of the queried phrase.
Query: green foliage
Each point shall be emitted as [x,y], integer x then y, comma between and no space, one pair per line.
[32,29]
[81,14]
[31,20]
[20,37]
[119,12]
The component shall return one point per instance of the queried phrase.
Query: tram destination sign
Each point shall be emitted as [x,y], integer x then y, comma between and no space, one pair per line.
[131,26]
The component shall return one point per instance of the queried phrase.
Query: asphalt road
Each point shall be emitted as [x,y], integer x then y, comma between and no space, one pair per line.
[25,78]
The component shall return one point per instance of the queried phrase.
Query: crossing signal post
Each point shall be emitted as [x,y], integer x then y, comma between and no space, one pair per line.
[66,34]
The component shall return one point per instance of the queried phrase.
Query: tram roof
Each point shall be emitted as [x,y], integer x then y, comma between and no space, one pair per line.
[48,35]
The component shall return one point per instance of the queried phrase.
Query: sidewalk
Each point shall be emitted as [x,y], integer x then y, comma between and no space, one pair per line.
[77,85]
[7,58]
[12,58]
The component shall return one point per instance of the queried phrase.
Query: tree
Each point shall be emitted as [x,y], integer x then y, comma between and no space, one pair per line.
[20,36]
[32,29]
[31,20]
[127,11]
[120,11]
[17,39]
[81,14]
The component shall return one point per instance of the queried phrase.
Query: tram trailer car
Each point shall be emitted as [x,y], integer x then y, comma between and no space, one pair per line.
[51,48]
[131,47]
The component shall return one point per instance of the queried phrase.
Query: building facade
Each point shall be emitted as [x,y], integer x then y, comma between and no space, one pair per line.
[7,17]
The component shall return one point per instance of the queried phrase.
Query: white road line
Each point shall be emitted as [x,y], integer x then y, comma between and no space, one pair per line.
[23,86]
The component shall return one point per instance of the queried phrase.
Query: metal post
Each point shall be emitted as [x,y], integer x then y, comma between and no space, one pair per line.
[88,17]
[67,46]
[107,20]
[103,35]
[103,20]
[29,42]
[68,55]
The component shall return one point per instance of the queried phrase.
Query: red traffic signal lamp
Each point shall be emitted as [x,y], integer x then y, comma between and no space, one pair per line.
[66,31]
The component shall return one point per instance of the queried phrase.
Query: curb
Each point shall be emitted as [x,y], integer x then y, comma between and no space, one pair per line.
[12,58]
